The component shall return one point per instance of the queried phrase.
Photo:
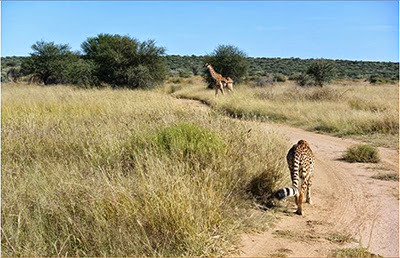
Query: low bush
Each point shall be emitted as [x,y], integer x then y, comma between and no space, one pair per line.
[362,153]
[305,80]
[259,82]
[278,77]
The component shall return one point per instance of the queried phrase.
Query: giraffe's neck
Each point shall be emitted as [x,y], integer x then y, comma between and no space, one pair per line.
[213,73]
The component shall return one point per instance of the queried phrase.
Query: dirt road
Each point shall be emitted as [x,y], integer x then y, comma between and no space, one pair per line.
[347,203]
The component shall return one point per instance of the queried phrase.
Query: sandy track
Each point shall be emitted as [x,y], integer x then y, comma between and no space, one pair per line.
[346,200]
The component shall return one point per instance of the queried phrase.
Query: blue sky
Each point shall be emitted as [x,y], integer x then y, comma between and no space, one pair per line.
[359,30]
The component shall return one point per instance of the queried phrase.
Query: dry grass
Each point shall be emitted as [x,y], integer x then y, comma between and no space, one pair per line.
[387,177]
[353,252]
[117,173]
[355,109]
[340,238]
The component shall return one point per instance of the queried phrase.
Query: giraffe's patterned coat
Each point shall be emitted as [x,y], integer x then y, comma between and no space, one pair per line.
[220,81]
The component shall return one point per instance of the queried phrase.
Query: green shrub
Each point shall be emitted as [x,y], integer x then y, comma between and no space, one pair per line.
[279,77]
[81,72]
[4,77]
[322,71]
[305,80]
[376,79]
[362,153]
[294,76]
[189,141]
[125,61]
[259,82]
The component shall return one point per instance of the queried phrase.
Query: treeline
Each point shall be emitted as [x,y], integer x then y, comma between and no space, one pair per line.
[186,66]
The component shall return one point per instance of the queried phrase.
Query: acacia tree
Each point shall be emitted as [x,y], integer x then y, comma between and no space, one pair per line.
[125,61]
[322,71]
[47,62]
[229,61]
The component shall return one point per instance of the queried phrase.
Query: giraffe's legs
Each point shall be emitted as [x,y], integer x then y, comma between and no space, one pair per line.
[221,87]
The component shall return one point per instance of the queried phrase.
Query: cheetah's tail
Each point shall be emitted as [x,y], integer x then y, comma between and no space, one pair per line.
[286,192]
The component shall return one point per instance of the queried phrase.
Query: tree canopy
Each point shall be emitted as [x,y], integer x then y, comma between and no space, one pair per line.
[125,61]
[48,61]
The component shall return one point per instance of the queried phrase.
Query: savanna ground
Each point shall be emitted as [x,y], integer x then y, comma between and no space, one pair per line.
[140,173]
[355,210]
[344,109]
[128,173]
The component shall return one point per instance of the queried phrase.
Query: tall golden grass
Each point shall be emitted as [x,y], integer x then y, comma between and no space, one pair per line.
[128,173]
[356,109]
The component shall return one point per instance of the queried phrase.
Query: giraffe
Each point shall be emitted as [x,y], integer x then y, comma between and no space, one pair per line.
[220,81]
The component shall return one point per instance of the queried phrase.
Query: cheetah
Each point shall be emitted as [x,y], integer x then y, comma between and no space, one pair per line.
[300,161]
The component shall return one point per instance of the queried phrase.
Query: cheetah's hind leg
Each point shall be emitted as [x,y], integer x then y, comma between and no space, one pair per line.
[308,198]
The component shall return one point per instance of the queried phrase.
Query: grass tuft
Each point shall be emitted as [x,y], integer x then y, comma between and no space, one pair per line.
[188,141]
[353,252]
[387,177]
[340,238]
[362,153]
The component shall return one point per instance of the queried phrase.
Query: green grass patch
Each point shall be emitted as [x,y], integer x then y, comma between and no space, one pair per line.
[362,153]
[189,140]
